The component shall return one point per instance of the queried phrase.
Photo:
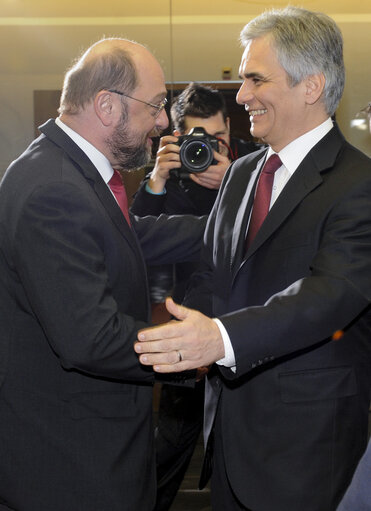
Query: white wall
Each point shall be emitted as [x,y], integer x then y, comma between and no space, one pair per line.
[16,111]
[35,56]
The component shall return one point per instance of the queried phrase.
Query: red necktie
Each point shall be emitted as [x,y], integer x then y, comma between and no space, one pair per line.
[262,197]
[117,186]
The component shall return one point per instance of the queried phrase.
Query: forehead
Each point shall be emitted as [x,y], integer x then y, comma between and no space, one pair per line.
[151,79]
[259,55]
[212,125]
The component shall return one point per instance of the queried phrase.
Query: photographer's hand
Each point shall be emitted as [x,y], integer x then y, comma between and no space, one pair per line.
[213,176]
[167,158]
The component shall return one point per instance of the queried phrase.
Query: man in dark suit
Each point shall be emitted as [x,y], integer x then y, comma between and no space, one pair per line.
[76,428]
[286,276]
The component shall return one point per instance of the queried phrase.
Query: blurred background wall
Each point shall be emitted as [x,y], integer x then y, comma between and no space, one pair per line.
[195,40]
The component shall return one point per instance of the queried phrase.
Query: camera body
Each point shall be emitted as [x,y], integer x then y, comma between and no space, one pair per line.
[197,151]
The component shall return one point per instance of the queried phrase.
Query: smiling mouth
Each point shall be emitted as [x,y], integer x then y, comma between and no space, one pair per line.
[254,113]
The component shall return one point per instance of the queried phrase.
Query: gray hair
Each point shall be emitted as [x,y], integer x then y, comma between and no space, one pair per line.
[105,65]
[306,43]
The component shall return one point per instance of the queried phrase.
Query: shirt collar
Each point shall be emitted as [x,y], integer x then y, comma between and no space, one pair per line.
[295,152]
[96,157]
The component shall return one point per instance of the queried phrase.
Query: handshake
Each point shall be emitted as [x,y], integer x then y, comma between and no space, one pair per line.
[194,341]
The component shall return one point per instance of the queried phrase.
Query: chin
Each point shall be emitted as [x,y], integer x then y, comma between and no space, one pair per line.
[255,132]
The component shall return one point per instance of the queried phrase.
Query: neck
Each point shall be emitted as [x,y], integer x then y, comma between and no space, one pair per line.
[86,128]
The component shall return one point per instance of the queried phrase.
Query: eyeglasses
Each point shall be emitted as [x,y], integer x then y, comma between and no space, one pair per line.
[158,108]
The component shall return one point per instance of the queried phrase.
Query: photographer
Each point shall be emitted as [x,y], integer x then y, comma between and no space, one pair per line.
[171,188]
[167,190]
[196,106]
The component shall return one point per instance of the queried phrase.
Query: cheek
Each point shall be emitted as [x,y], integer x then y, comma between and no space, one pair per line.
[149,125]
[143,126]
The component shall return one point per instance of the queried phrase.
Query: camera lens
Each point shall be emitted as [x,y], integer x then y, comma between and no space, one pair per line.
[196,155]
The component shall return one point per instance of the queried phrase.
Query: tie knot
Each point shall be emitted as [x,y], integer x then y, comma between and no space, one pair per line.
[116,179]
[272,164]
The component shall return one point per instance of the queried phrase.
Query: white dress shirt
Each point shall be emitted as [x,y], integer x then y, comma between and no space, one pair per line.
[98,159]
[291,156]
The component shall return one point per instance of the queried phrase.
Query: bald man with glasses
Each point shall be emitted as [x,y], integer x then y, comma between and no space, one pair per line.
[76,427]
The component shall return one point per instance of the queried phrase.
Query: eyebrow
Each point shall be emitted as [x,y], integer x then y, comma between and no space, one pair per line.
[252,75]
[159,97]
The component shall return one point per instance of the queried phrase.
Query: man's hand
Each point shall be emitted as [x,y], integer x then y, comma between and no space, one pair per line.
[193,342]
[213,176]
[167,158]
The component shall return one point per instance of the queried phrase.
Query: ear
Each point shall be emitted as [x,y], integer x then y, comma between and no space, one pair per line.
[104,107]
[314,86]
[228,123]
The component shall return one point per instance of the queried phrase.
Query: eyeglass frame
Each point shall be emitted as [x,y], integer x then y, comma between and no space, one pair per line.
[159,107]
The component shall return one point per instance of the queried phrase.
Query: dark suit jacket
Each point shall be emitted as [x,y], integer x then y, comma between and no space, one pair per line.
[75,403]
[294,415]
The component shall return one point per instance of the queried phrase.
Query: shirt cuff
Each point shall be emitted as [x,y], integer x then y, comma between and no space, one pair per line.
[149,190]
[229,358]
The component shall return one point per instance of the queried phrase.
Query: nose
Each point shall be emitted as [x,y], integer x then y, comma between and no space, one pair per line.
[244,94]
[162,121]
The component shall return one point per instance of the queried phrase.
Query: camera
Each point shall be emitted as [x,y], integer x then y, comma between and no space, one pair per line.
[197,150]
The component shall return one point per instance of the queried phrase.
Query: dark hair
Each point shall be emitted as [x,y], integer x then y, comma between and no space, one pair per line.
[197,101]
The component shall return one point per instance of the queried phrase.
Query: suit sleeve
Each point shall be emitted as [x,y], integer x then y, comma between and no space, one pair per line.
[170,239]
[147,203]
[305,314]
[334,295]
[199,294]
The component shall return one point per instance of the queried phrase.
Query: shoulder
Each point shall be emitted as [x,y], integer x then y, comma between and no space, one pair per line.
[333,151]
[39,162]
[360,159]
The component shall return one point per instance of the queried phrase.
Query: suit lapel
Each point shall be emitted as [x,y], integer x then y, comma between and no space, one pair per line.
[113,210]
[243,213]
[305,179]
[86,167]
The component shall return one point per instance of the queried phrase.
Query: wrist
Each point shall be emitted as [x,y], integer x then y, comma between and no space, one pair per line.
[156,186]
